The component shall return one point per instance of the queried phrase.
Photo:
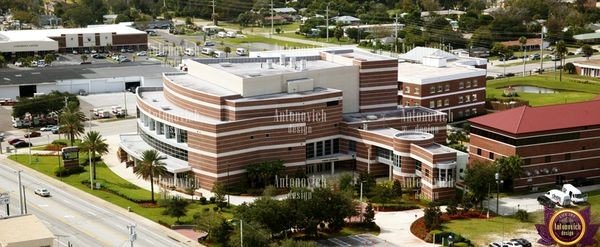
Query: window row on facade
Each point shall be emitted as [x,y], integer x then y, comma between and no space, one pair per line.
[446,102]
[161,128]
[433,89]
[322,148]
[164,147]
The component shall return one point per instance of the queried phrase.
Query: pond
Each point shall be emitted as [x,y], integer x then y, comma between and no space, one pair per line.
[532,89]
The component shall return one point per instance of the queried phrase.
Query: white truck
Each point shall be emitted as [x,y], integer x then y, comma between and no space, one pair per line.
[559,198]
[574,194]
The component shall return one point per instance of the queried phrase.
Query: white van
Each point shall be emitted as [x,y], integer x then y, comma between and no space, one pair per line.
[207,51]
[221,34]
[189,52]
[241,52]
[574,194]
[220,54]
[559,197]
[104,114]
[231,34]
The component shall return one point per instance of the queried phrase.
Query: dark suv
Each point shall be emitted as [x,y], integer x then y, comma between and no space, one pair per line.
[545,201]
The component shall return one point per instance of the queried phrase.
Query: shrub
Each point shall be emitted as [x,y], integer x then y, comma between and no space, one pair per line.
[216,209]
[203,200]
[60,142]
[206,209]
[522,215]
[451,209]
[212,199]
[65,172]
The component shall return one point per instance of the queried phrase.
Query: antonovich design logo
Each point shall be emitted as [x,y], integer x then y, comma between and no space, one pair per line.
[567,227]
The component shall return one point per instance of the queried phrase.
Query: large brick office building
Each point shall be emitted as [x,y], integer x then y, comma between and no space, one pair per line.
[558,143]
[337,110]
[442,81]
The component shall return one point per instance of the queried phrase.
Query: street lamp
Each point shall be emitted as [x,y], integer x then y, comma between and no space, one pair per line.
[498,182]
[503,63]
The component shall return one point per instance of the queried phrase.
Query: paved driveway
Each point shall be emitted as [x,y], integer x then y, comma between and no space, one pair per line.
[395,227]
[355,240]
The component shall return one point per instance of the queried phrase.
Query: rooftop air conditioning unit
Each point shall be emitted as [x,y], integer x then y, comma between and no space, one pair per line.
[165,107]
[154,100]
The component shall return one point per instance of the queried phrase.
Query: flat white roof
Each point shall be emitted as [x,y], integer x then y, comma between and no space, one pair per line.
[43,34]
[136,146]
[257,69]
[424,74]
[24,229]
[199,84]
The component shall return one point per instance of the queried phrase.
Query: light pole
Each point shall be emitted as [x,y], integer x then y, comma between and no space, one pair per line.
[498,182]
[29,144]
[503,63]
[327,20]
[361,190]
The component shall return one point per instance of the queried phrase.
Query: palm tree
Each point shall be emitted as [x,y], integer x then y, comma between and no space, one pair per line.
[561,51]
[94,144]
[84,58]
[509,168]
[150,167]
[227,50]
[523,41]
[71,121]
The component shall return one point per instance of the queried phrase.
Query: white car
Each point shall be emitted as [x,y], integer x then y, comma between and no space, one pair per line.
[18,64]
[47,128]
[511,244]
[42,192]
[142,53]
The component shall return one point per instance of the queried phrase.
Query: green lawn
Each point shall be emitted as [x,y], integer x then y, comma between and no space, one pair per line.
[265,40]
[332,40]
[109,180]
[573,88]
[483,231]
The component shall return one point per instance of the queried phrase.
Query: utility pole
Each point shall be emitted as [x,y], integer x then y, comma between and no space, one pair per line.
[272,16]
[132,234]
[24,199]
[396,31]
[213,11]
[241,233]
[20,191]
[327,20]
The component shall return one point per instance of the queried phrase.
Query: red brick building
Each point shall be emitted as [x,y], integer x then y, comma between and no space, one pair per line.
[558,143]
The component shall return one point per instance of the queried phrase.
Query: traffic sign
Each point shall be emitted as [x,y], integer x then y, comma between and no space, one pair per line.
[4,199]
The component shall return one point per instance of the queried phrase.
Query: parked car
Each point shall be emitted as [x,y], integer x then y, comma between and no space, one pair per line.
[18,64]
[142,53]
[161,54]
[82,92]
[231,34]
[241,52]
[130,50]
[43,192]
[545,201]
[124,60]
[123,50]
[509,74]
[22,144]
[55,130]
[523,242]
[221,34]
[33,134]
[47,128]
[534,56]
[99,56]
[538,70]
[13,141]
[511,244]
[75,52]
[209,43]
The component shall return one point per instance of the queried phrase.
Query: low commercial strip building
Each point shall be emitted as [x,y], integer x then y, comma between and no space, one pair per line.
[318,112]
[558,143]
[14,44]
[24,230]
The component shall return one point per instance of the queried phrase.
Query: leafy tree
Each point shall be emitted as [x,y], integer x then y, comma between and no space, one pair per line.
[397,188]
[345,182]
[84,57]
[94,144]
[150,167]
[369,215]
[254,235]
[570,68]
[71,121]
[49,58]
[356,34]
[338,33]
[384,192]
[368,183]
[44,104]
[175,207]
[273,214]
[478,178]
[2,61]
[219,193]
[432,217]
[587,50]
[214,225]
[263,174]
[227,50]
[509,168]
[500,49]
[452,208]
[561,52]
[293,243]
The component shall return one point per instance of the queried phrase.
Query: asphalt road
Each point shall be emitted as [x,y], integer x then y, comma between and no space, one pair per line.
[78,218]
[517,67]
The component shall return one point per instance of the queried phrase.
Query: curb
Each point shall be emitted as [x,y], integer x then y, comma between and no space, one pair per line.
[88,197]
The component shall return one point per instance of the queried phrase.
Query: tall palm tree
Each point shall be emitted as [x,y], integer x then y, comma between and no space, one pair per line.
[71,121]
[509,168]
[150,167]
[94,144]
[523,41]
[561,51]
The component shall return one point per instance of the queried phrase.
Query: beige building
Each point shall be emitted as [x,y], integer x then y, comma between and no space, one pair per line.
[24,231]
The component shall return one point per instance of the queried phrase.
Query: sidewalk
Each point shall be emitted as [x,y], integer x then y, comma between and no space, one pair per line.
[111,160]
[395,227]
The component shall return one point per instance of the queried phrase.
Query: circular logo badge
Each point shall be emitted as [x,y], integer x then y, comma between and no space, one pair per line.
[567,227]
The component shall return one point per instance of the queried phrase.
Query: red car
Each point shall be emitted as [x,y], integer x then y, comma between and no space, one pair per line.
[33,134]
[13,141]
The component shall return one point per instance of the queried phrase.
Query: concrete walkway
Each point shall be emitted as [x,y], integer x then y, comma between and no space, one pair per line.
[395,227]
[112,161]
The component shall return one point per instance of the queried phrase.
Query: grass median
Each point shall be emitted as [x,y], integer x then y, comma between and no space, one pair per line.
[572,88]
[115,189]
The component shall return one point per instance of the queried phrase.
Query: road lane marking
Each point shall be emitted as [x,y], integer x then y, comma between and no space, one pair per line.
[92,213]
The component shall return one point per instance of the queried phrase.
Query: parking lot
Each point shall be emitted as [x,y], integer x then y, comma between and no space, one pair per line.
[355,240]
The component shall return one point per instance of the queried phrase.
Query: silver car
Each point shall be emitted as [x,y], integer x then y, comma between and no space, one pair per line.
[42,192]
